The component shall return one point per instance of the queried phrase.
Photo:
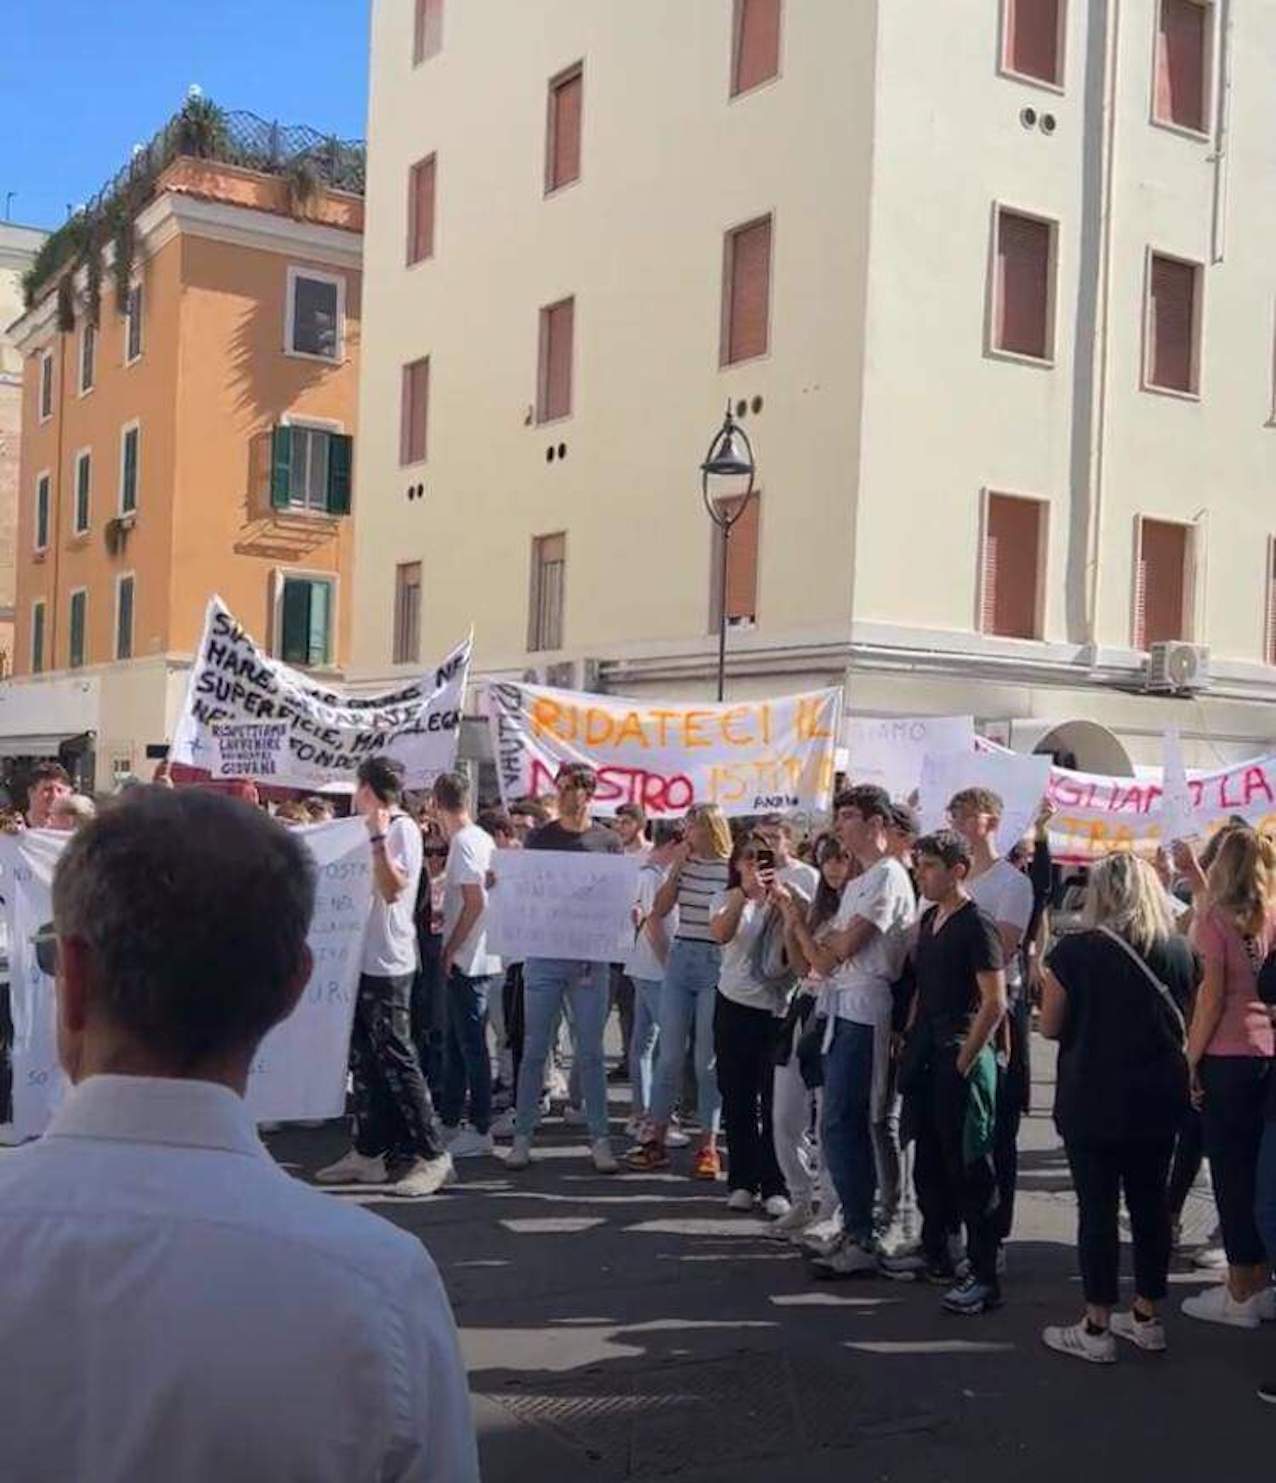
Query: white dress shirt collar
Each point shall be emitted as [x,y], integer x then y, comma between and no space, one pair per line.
[178,1112]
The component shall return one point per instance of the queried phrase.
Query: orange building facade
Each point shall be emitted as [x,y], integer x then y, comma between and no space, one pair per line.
[199,440]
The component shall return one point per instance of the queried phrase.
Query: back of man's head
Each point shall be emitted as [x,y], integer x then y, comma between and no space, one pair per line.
[452,792]
[384,776]
[188,913]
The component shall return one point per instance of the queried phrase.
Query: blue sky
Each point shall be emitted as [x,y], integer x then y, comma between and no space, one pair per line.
[82,81]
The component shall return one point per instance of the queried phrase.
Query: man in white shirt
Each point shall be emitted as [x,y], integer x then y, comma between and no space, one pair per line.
[470,972]
[789,870]
[645,968]
[1004,892]
[395,1142]
[864,954]
[175,1306]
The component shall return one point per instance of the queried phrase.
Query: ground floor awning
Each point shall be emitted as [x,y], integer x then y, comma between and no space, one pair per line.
[42,744]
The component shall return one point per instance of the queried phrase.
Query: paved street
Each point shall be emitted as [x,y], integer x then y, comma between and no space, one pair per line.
[631,1328]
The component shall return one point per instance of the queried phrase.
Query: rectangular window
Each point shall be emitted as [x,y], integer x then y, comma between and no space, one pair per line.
[742,564]
[1032,39]
[46,386]
[310,469]
[746,292]
[37,638]
[562,140]
[1172,327]
[1023,282]
[414,412]
[755,44]
[1163,582]
[421,210]
[554,382]
[130,451]
[1181,87]
[1010,582]
[133,332]
[549,575]
[124,618]
[83,490]
[42,513]
[427,36]
[407,612]
[305,621]
[315,314]
[1269,627]
[76,629]
[88,357]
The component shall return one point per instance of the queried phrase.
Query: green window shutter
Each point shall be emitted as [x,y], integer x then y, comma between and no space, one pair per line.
[128,497]
[75,657]
[320,616]
[281,467]
[295,639]
[340,459]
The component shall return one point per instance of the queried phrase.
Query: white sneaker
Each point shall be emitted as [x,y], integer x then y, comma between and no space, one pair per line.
[1097,1349]
[469,1143]
[1217,1305]
[822,1238]
[575,1117]
[1210,1258]
[799,1216]
[354,1168]
[848,1259]
[676,1138]
[449,1132]
[503,1126]
[1147,1333]
[777,1207]
[520,1154]
[1267,1305]
[8,1136]
[425,1177]
[604,1160]
[740,1199]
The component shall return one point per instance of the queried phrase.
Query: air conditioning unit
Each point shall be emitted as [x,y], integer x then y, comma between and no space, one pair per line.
[572,674]
[1176,668]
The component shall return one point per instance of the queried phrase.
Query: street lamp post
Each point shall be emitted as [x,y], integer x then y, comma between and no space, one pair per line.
[730,456]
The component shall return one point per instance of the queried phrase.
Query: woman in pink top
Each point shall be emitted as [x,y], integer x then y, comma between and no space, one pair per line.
[1229,1052]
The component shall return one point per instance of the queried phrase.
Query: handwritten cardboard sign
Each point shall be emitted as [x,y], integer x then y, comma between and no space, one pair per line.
[556,904]
[751,757]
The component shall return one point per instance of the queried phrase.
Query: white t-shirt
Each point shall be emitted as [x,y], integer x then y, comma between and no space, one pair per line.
[1005,894]
[642,962]
[735,974]
[469,858]
[389,944]
[883,895]
[797,874]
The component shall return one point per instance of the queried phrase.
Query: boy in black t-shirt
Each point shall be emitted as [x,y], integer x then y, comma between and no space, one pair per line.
[950,1077]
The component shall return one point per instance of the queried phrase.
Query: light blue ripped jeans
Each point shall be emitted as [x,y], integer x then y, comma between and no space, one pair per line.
[687,999]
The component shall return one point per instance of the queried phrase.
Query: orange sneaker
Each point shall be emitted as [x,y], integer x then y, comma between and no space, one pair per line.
[707,1165]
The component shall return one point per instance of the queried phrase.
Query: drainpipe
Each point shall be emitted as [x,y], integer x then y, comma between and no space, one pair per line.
[1222,126]
[55,514]
[1099,379]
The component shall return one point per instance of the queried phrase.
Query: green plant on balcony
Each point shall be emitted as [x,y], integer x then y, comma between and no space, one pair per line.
[303,180]
[201,130]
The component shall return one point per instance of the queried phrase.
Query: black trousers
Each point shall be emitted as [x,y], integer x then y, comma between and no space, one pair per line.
[622,1001]
[744,1042]
[393,1113]
[951,1192]
[1233,1114]
[1100,1171]
[1189,1154]
[429,1011]
[1014,1084]
[515,1014]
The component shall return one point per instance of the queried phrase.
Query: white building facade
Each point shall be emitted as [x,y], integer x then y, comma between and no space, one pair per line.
[993,285]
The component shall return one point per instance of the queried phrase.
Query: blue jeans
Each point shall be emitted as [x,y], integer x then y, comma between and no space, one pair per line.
[643,1041]
[466,1063]
[548,984]
[687,999]
[847,1131]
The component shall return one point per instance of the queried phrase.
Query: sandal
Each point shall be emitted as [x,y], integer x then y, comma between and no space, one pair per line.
[648,1156]
[707,1165]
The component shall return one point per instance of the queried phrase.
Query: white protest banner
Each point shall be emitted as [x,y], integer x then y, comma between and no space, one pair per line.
[1177,812]
[562,904]
[751,757]
[889,751]
[250,716]
[300,1069]
[1019,781]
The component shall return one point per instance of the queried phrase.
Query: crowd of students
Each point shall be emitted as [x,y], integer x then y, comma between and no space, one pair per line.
[839,1026]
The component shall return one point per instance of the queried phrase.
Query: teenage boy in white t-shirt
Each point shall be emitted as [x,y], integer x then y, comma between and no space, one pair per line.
[864,955]
[1004,893]
[470,972]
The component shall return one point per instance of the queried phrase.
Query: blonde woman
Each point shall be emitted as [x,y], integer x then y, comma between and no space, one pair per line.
[1230,1053]
[1115,996]
[698,873]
